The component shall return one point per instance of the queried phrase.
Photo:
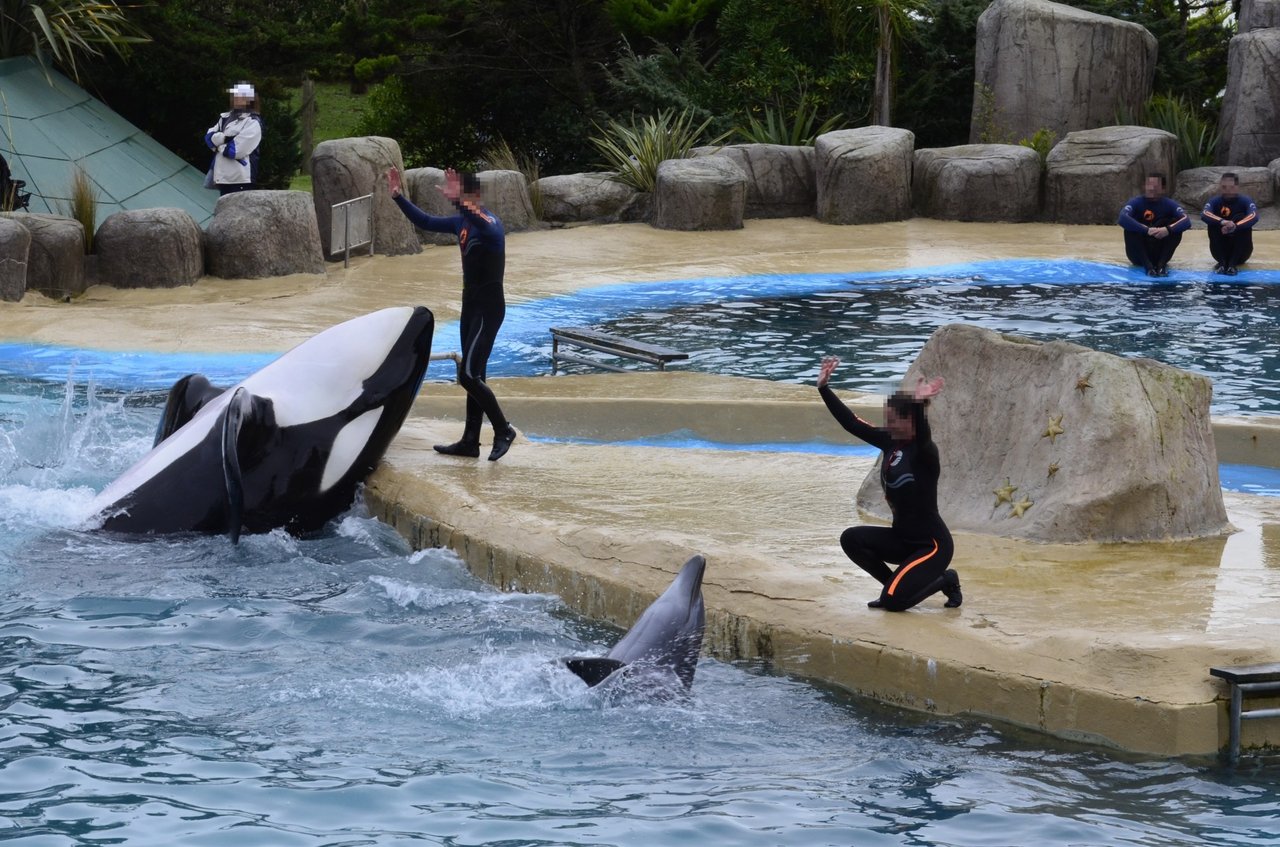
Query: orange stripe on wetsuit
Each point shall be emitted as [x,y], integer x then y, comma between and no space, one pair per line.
[898,577]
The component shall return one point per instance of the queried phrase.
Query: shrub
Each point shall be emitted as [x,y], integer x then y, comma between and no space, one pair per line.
[1197,136]
[1041,142]
[775,129]
[634,150]
[83,205]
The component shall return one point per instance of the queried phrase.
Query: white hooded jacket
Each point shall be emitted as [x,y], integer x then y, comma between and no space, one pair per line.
[232,139]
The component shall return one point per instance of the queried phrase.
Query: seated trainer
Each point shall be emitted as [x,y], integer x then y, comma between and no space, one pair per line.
[1153,226]
[1230,216]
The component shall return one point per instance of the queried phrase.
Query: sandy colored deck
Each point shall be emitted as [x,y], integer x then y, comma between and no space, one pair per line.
[1105,643]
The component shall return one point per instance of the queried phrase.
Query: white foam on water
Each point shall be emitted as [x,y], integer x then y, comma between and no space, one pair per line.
[45,508]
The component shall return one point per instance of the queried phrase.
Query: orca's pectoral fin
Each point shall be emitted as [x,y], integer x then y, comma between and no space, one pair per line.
[240,407]
[593,670]
[188,396]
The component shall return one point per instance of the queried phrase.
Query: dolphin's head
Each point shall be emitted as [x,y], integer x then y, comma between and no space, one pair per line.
[669,633]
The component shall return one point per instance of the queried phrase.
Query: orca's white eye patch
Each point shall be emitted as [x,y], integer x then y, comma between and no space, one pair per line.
[347,446]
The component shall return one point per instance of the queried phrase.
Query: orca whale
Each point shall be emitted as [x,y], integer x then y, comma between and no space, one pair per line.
[660,652]
[285,448]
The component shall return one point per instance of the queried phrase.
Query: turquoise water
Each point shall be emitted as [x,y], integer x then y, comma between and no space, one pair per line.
[343,690]
[779,326]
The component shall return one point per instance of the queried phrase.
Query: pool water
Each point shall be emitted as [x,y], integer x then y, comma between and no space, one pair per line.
[344,690]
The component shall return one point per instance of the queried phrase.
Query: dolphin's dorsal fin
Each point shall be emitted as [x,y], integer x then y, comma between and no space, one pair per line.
[592,669]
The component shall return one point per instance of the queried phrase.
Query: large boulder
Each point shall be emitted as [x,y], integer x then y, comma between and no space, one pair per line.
[506,194]
[1078,445]
[149,248]
[255,234]
[15,246]
[1091,174]
[1197,185]
[422,187]
[863,175]
[1250,124]
[55,260]
[977,182]
[699,194]
[1259,14]
[346,168]
[780,179]
[574,198]
[1041,65]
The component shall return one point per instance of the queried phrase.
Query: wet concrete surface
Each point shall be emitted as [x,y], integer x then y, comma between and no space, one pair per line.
[1109,643]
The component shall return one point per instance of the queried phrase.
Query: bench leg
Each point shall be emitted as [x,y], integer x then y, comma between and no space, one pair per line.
[1233,736]
[555,348]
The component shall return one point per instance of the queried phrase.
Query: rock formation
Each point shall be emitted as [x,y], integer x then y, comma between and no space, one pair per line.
[699,194]
[1092,173]
[55,260]
[1055,442]
[863,175]
[977,182]
[347,168]
[576,198]
[15,245]
[1041,65]
[257,234]
[1250,125]
[780,179]
[149,248]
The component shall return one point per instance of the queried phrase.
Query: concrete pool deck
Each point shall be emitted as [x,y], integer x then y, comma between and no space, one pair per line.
[1104,643]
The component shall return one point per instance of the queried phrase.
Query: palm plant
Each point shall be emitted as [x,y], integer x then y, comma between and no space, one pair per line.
[65,30]
[633,151]
[775,129]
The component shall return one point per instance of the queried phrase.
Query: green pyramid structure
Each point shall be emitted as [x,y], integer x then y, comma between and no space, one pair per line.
[49,125]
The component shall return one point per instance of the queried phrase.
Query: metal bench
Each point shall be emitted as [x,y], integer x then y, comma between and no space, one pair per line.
[1253,681]
[616,345]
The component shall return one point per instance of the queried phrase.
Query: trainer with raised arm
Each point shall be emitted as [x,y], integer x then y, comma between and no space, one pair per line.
[482,241]
[1153,226]
[917,544]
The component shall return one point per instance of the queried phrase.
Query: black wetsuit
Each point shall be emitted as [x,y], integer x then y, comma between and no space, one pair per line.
[918,542]
[482,241]
[1138,214]
[1233,248]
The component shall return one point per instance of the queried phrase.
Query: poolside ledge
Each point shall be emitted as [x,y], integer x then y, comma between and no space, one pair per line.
[1108,644]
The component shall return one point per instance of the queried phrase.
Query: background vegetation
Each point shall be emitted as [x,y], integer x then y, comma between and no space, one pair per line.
[451,80]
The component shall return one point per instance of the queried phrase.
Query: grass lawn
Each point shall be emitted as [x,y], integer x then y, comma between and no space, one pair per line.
[337,111]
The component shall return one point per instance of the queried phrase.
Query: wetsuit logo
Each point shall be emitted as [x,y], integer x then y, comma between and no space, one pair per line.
[894,458]
[1148,216]
[1225,211]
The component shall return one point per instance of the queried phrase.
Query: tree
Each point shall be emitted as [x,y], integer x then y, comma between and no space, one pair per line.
[66,31]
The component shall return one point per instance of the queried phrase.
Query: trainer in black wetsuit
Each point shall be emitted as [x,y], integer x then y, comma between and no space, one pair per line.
[918,543]
[483,245]
[1153,226]
[1230,216]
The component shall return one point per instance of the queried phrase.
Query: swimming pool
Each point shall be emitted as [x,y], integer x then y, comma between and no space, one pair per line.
[346,690]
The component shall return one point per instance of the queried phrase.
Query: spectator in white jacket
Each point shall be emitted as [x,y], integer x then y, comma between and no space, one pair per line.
[234,140]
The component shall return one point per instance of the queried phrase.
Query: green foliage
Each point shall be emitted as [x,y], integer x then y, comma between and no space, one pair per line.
[634,150]
[426,135]
[984,118]
[793,54]
[668,78]
[1197,136]
[281,147]
[82,205]
[375,68]
[776,129]
[935,98]
[500,156]
[67,31]
[1042,142]
[659,19]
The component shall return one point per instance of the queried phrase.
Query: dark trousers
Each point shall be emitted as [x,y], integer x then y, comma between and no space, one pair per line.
[1230,250]
[224,190]
[482,315]
[1147,252]
[920,564]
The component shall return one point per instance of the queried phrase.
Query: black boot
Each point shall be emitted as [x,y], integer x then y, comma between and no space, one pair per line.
[951,588]
[502,443]
[466,447]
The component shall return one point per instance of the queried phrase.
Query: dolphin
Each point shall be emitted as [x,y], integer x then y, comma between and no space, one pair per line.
[285,448]
[663,645]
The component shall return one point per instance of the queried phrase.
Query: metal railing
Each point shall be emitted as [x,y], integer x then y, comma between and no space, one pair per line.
[351,226]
